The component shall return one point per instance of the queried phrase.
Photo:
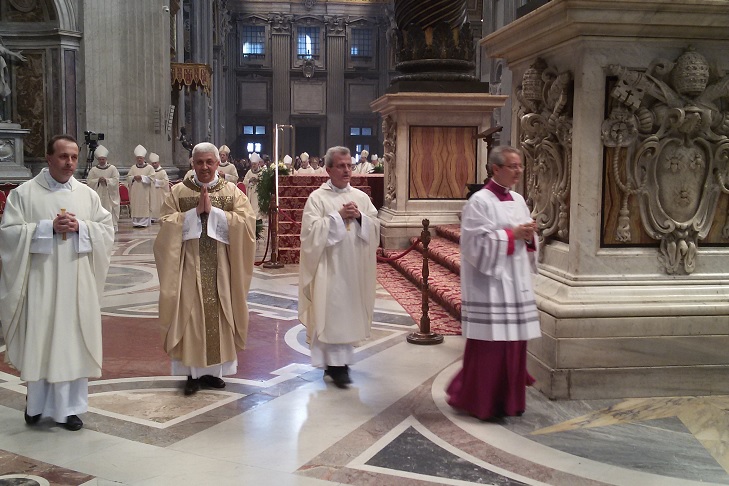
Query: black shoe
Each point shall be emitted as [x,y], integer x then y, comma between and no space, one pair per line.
[73,423]
[345,375]
[31,420]
[339,376]
[192,386]
[211,381]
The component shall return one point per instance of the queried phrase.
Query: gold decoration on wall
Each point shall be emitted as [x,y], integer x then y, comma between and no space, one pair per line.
[192,75]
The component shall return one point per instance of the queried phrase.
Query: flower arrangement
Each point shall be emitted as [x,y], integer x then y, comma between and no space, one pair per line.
[266,185]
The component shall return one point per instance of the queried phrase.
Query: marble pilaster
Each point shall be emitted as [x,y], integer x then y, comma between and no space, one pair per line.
[418,168]
[281,63]
[336,55]
[124,77]
[615,323]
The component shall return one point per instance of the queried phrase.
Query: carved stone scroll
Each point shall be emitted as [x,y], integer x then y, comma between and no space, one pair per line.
[545,112]
[672,127]
[389,130]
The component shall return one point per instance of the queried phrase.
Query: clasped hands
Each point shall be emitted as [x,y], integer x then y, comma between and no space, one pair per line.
[204,205]
[349,211]
[525,231]
[65,223]
[102,181]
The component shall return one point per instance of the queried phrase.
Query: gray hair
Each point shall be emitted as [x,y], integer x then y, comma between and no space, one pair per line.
[206,148]
[329,157]
[497,156]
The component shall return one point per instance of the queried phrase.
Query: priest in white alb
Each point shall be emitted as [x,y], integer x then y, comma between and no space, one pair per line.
[160,186]
[499,311]
[204,253]
[340,234]
[104,179]
[251,182]
[226,169]
[55,245]
[139,183]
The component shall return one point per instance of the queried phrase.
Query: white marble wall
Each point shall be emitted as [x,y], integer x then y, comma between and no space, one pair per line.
[615,324]
[124,77]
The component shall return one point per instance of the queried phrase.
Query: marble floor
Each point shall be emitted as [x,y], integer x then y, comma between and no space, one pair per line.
[279,423]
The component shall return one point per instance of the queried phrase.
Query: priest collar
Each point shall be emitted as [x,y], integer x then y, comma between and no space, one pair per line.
[336,189]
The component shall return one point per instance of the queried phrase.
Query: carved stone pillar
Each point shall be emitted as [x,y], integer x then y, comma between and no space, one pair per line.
[432,152]
[627,161]
[281,62]
[201,34]
[336,55]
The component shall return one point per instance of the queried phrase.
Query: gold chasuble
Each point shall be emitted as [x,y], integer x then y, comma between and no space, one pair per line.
[203,282]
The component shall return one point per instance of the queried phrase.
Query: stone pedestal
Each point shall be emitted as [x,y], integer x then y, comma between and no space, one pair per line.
[431,152]
[11,153]
[592,85]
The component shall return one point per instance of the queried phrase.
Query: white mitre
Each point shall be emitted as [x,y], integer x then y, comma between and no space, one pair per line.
[101,151]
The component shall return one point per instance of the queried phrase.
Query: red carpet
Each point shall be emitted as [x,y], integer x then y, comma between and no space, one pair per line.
[410,298]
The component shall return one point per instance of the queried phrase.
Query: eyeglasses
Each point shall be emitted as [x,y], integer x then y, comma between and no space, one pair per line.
[514,167]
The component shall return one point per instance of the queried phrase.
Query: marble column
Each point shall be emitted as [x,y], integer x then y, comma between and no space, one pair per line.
[281,62]
[625,156]
[124,86]
[201,45]
[336,56]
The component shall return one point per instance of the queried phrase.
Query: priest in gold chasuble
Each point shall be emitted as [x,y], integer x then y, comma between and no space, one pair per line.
[204,253]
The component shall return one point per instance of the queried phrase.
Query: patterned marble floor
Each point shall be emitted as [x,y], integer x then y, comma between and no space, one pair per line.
[278,423]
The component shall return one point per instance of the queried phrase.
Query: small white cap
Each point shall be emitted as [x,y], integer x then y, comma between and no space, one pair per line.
[255,158]
[153,157]
[288,160]
[304,156]
[101,151]
[140,151]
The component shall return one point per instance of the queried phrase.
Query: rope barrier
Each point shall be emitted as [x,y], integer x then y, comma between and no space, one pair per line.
[392,259]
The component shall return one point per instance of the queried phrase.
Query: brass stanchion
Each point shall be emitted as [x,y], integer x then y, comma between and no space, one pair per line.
[424,336]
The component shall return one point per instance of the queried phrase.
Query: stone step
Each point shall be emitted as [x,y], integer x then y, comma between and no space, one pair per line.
[444,251]
[289,228]
[444,285]
[288,256]
[289,241]
[449,231]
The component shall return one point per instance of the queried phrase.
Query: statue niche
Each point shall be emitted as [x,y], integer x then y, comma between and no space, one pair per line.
[545,115]
[668,130]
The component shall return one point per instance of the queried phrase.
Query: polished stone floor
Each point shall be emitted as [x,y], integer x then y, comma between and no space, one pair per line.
[279,423]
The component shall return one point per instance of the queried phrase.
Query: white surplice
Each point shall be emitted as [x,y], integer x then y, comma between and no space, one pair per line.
[109,193]
[498,301]
[140,194]
[338,267]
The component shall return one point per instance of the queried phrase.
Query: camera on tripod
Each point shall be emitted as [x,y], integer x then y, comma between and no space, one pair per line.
[92,139]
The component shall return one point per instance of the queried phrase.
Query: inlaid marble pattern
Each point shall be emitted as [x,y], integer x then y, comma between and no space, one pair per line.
[278,422]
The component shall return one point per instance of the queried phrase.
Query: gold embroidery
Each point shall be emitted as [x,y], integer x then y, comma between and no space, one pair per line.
[208,248]
[190,184]
[211,302]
